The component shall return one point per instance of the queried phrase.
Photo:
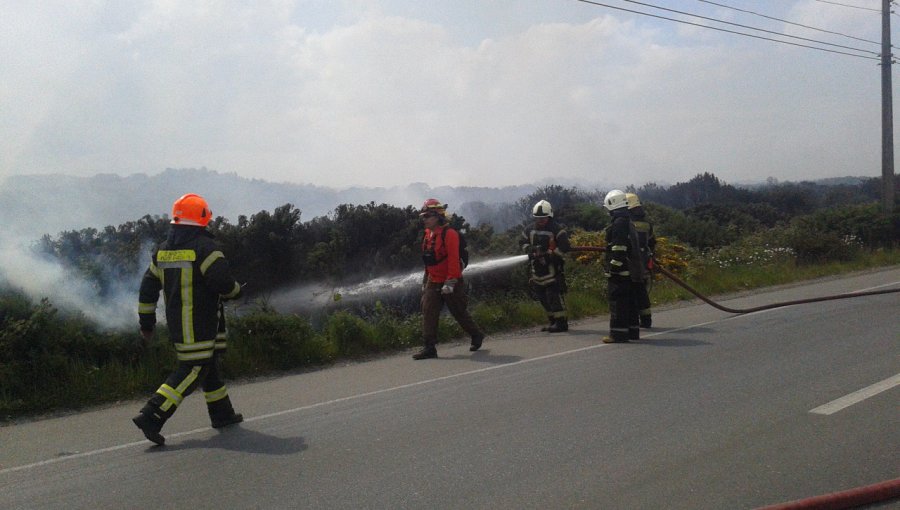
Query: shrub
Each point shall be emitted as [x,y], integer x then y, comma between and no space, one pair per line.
[352,335]
[264,341]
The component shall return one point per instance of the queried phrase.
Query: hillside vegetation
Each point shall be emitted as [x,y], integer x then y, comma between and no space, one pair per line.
[718,237]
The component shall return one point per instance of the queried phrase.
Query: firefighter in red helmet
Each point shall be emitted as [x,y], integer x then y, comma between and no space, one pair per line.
[443,281]
[194,278]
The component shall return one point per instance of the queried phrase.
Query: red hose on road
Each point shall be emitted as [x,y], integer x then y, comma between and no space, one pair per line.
[875,493]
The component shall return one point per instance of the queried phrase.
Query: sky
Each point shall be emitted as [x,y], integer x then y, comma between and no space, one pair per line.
[447,92]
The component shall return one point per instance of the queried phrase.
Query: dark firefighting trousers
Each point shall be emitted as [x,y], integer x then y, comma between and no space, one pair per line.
[552,298]
[623,296]
[188,375]
[643,302]
[457,303]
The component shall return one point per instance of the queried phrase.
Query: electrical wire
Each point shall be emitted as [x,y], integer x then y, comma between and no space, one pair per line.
[850,6]
[599,4]
[749,27]
[788,22]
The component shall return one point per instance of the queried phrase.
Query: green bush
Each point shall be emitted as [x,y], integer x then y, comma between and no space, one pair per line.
[352,335]
[265,341]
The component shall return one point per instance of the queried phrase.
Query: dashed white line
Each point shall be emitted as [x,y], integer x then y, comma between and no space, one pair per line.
[857,396]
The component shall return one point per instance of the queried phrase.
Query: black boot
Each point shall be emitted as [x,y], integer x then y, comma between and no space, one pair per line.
[560,326]
[426,353]
[221,413]
[548,326]
[477,340]
[151,421]
[646,321]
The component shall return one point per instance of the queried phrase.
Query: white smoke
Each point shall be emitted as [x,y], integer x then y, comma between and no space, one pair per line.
[39,277]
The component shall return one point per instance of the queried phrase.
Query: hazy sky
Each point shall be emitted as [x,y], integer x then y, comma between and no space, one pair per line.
[447,92]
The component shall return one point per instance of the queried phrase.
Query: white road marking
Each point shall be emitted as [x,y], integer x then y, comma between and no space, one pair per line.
[857,396]
[92,453]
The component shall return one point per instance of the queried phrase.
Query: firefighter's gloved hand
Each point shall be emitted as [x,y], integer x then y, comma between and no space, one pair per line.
[448,287]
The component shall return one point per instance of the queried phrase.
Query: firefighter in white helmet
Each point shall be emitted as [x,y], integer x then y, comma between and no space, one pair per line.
[545,243]
[624,270]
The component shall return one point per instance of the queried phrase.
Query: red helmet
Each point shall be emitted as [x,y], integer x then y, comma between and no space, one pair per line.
[191,209]
[433,205]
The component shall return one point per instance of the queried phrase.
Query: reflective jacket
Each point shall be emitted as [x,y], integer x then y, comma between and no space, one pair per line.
[623,254]
[546,244]
[193,275]
[437,245]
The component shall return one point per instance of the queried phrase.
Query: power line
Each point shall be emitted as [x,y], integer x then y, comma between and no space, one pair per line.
[749,27]
[850,6]
[729,31]
[788,22]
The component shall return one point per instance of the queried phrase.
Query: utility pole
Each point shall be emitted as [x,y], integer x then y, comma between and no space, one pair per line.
[887,112]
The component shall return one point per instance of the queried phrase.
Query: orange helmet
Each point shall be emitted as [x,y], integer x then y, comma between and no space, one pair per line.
[191,209]
[433,205]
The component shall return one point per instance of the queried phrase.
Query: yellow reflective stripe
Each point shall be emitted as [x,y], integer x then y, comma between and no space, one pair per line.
[146,307]
[176,256]
[618,247]
[195,356]
[234,291]
[198,351]
[221,346]
[195,346]
[188,381]
[218,394]
[187,305]
[171,394]
[155,270]
[210,259]
[616,262]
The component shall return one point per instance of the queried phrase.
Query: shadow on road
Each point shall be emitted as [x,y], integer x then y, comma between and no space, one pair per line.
[239,439]
[485,356]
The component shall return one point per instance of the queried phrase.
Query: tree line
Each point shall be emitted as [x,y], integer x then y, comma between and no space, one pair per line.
[358,242]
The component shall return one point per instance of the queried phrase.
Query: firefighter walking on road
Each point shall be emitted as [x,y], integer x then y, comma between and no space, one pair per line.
[647,243]
[443,281]
[194,278]
[545,243]
[624,270]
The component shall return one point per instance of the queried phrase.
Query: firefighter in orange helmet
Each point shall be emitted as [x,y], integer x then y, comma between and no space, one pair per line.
[194,278]
[443,280]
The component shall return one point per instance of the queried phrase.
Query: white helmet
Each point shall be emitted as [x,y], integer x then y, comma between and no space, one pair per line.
[615,199]
[542,209]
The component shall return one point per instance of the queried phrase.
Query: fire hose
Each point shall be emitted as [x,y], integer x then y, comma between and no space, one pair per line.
[681,283]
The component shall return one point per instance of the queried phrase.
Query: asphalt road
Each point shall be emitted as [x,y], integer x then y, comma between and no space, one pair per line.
[709,410]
